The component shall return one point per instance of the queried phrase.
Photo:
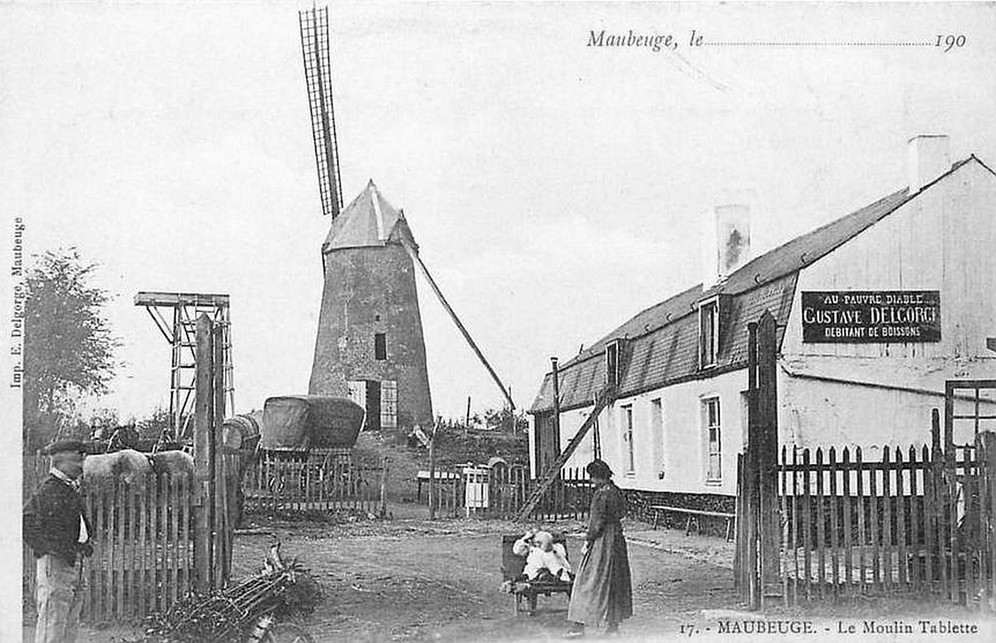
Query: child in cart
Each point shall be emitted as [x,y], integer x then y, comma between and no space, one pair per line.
[546,560]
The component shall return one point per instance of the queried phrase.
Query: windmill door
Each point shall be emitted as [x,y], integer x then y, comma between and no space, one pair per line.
[367,393]
[372,405]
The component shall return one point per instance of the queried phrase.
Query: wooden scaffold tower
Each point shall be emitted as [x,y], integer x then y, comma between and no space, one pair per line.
[175,315]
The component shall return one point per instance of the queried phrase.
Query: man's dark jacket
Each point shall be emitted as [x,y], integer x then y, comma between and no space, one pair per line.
[52,520]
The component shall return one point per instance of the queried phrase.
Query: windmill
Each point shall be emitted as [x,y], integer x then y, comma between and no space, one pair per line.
[369,344]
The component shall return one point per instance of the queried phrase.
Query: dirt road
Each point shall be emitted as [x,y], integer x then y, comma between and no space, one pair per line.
[415,580]
[411,580]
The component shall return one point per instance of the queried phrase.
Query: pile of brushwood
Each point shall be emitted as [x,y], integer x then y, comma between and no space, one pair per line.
[230,615]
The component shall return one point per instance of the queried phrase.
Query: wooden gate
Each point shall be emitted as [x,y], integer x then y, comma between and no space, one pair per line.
[143,556]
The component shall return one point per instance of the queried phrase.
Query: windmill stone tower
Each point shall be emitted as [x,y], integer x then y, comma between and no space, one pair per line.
[370,343]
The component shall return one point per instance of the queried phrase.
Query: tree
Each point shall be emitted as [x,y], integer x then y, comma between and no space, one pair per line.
[150,429]
[505,419]
[68,344]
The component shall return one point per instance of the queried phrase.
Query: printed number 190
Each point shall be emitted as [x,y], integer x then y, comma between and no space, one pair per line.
[949,42]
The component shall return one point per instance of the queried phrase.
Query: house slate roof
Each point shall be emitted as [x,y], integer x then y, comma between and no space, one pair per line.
[663,346]
[368,221]
[664,350]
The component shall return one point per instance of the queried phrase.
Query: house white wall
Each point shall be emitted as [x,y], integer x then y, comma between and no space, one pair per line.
[943,240]
[679,448]
[818,413]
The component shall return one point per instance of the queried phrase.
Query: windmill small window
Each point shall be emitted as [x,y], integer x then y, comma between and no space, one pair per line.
[380,346]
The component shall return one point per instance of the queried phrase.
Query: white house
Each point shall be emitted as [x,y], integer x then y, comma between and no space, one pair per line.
[875,311]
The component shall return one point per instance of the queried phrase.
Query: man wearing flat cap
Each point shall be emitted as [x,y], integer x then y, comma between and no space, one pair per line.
[57,530]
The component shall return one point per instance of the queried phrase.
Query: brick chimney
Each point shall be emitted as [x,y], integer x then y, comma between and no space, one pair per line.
[726,242]
[927,158]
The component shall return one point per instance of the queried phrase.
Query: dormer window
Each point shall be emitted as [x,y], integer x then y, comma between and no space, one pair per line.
[612,352]
[708,333]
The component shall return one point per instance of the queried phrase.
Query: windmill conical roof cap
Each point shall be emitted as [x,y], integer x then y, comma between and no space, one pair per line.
[369,220]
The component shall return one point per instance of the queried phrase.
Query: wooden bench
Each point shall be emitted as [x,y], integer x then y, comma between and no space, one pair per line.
[693,516]
[511,568]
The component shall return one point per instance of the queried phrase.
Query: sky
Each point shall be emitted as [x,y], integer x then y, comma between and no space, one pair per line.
[555,189]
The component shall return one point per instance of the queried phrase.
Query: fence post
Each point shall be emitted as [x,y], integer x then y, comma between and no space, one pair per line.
[738,559]
[432,472]
[203,456]
[383,487]
[555,370]
[987,514]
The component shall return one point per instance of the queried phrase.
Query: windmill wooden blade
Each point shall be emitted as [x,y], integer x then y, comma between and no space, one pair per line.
[456,320]
[318,76]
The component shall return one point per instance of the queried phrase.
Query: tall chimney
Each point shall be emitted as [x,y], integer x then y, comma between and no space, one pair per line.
[726,243]
[927,158]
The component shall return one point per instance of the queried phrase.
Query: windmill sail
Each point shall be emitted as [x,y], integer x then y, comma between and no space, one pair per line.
[318,76]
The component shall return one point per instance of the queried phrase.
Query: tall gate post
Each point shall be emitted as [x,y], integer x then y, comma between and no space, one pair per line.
[203,454]
[758,562]
[224,496]
[767,407]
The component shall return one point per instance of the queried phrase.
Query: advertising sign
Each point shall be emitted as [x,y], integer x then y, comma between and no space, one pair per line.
[871,316]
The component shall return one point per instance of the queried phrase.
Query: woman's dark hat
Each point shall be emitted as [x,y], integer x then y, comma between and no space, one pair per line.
[598,469]
[65,446]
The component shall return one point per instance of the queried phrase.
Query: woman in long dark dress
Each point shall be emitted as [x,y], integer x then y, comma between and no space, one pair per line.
[603,590]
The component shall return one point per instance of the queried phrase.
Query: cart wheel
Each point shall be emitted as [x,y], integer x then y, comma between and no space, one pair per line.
[286,633]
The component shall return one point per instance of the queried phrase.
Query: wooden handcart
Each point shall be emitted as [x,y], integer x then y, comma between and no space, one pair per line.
[527,592]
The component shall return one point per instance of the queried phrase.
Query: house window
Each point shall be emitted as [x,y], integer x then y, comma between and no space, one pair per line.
[627,412]
[380,346]
[711,422]
[708,334]
[657,433]
[388,404]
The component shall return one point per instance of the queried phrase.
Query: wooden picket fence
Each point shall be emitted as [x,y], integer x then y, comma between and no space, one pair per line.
[142,539]
[449,494]
[569,497]
[919,521]
[320,480]
[500,491]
